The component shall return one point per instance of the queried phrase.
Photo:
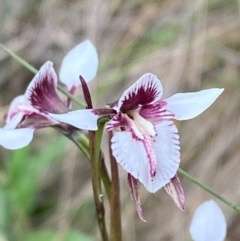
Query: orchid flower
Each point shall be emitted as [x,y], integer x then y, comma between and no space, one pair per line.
[30,111]
[208,223]
[146,143]
[81,60]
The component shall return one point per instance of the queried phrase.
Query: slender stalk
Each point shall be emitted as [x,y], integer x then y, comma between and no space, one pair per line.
[34,70]
[95,152]
[82,142]
[105,178]
[192,179]
[95,139]
[19,59]
[115,206]
[79,140]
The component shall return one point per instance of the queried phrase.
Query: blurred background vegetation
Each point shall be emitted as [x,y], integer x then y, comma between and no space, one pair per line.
[45,189]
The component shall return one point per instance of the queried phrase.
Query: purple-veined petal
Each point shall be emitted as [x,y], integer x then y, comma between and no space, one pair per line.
[14,121]
[208,223]
[23,115]
[175,191]
[186,106]
[155,112]
[37,120]
[16,138]
[134,186]
[42,94]
[146,90]
[131,154]
[82,119]
[81,60]
[166,145]
[14,107]
[118,120]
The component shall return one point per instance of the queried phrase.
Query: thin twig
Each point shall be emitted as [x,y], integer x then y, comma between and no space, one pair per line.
[192,179]
[82,142]
[115,206]
[95,142]
[105,178]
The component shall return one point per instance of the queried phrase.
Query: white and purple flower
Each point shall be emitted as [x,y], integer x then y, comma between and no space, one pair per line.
[146,143]
[32,110]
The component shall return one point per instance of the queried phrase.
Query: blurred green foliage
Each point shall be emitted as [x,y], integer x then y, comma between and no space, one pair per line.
[49,236]
[19,187]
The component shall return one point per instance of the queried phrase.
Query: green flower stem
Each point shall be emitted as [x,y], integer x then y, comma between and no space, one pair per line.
[19,59]
[34,70]
[105,178]
[82,142]
[115,206]
[95,156]
[192,179]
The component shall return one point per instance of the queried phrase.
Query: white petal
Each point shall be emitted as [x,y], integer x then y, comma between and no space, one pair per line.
[81,60]
[82,119]
[131,155]
[166,144]
[208,223]
[186,106]
[16,138]
[146,90]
